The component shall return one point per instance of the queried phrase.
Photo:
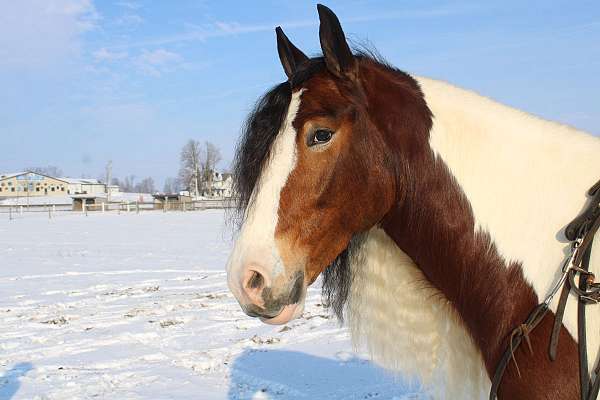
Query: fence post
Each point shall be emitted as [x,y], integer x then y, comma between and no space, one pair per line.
[54,208]
[103,207]
[49,213]
[127,206]
[21,210]
[10,213]
[137,207]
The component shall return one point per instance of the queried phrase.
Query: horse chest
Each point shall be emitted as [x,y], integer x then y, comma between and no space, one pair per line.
[407,326]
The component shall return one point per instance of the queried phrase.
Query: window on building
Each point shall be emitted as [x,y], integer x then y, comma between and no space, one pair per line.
[52,188]
[12,189]
[62,188]
[37,189]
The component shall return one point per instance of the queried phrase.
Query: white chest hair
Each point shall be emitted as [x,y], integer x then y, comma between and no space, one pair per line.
[408,327]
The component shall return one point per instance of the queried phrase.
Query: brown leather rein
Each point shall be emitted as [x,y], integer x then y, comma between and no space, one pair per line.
[581,233]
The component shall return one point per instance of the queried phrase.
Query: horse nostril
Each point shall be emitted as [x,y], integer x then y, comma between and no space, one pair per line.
[256,281]
[253,284]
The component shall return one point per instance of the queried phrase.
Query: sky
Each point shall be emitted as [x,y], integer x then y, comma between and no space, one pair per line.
[83,82]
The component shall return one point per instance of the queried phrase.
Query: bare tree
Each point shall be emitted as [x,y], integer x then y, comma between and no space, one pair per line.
[50,170]
[117,182]
[190,171]
[171,185]
[126,185]
[213,156]
[146,185]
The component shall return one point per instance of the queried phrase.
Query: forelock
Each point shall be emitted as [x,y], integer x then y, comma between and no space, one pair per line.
[259,133]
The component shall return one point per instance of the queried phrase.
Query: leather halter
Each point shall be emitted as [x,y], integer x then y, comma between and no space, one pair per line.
[581,233]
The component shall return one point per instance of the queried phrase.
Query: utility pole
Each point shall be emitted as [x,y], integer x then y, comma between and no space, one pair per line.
[108,179]
[27,182]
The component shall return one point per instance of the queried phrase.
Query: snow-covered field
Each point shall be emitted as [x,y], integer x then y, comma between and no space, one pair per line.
[136,306]
[67,199]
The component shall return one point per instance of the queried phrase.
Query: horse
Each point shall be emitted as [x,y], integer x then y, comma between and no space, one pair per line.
[434,216]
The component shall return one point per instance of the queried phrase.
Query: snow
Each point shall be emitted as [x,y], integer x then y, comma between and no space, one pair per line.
[136,306]
[37,200]
[66,199]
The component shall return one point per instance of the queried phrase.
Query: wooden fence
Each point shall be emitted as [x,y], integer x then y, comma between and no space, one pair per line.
[123,206]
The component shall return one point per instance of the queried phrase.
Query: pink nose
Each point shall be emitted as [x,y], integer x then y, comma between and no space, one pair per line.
[253,284]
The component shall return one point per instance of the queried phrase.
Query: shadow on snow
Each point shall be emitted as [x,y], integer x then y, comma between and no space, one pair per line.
[277,374]
[9,381]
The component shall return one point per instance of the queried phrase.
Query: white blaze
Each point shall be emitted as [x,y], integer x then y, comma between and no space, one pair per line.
[256,242]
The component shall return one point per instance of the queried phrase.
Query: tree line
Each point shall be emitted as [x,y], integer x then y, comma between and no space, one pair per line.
[197,165]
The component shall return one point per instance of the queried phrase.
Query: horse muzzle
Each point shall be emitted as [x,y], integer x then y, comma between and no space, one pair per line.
[273,302]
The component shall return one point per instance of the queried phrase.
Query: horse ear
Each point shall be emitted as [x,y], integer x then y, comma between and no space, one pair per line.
[337,53]
[291,57]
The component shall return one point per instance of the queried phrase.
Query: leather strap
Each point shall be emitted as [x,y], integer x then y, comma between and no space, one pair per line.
[574,228]
[584,375]
[596,384]
[558,319]
[515,340]
[581,231]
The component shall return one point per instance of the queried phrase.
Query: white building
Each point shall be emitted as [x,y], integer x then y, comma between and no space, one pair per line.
[85,186]
[112,189]
[31,184]
[222,186]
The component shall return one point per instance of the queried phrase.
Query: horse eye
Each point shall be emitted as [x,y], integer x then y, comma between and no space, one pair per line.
[322,136]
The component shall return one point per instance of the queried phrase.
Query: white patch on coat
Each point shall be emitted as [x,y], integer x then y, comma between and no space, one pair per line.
[408,326]
[255,244]
[525,178]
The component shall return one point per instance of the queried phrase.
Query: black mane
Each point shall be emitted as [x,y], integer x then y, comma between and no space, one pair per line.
[337,277]
[260,130]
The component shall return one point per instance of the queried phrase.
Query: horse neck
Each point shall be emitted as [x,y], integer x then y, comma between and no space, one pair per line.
[484,205]
[525,178]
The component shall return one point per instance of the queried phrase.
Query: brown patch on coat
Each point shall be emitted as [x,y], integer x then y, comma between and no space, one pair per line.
[326,175]
[380,169]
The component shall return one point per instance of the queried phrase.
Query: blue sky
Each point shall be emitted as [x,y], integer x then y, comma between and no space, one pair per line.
[83,82]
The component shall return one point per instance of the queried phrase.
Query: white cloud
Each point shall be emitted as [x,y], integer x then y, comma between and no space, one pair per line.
[39,33]
[157,61]
[132,5]
[103,54]
[217,28]
[159,57]
[129,20]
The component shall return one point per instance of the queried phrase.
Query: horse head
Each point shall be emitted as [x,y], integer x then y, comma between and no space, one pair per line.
[313,171]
